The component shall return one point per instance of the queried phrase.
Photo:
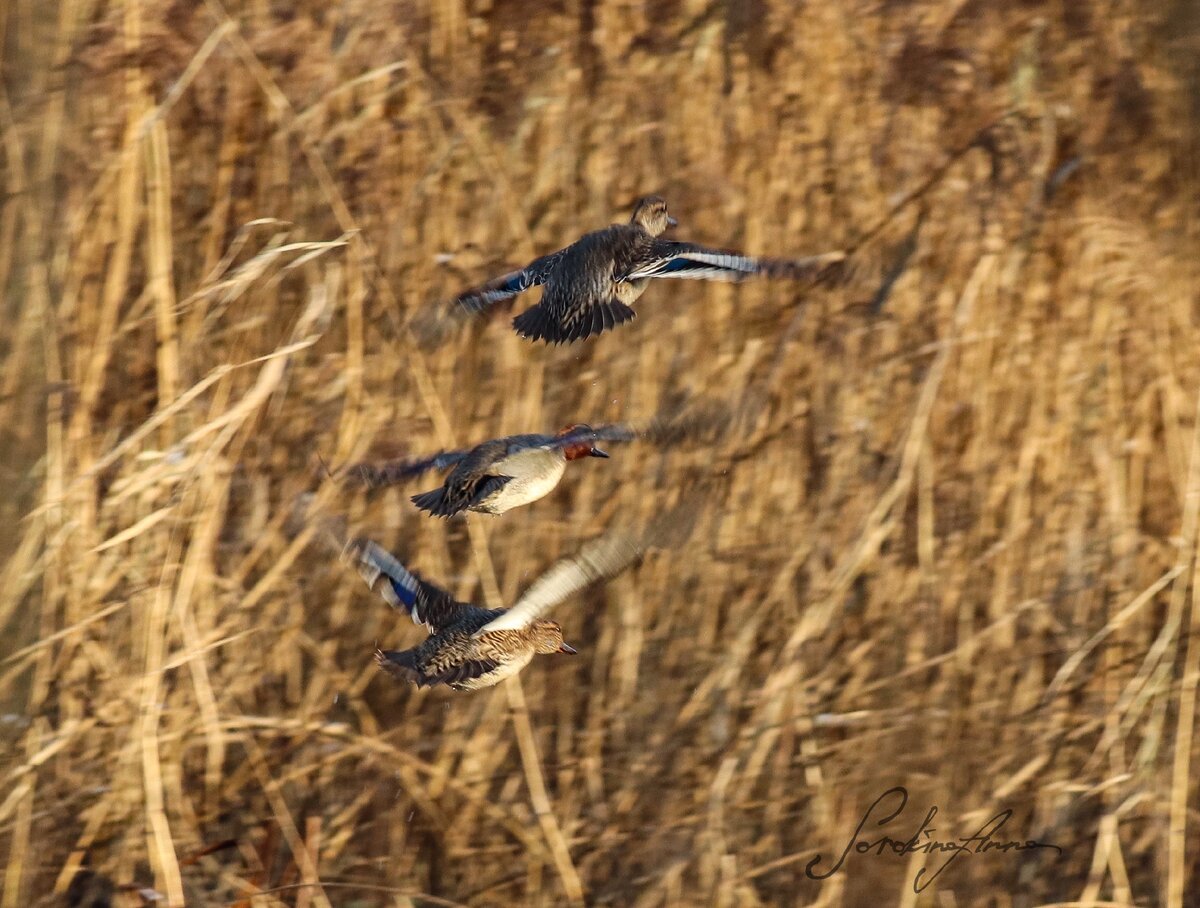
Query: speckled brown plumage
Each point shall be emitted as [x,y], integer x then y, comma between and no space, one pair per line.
[471,647]
[591,285]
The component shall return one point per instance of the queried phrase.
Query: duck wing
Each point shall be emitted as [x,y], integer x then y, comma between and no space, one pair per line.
[671,259]
[617,431]
[378,474]
[599,559]
[448,500]
[457,674]
[671,425]
[406,665]
[424,602]
[476,476]
[478,299]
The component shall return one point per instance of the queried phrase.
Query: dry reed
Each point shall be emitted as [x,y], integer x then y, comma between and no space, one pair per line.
[955,544]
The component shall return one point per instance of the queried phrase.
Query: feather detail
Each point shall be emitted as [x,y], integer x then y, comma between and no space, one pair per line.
[509,285]
[403,590]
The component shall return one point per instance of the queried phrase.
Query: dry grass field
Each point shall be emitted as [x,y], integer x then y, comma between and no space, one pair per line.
[951,543]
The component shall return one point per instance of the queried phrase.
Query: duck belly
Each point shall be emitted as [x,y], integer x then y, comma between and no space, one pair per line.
[534,475]
[628,292]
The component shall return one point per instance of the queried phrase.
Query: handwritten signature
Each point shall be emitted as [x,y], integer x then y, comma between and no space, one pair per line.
[922,840]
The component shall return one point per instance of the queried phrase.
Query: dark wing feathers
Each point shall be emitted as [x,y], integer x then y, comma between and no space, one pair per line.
[403,590]
[488,486]
[537,323]
[400,664]
[472,481]
[434,501]
[509,285]
[611,432]
[405,666]
[469,482]
[464,671]
[481,298]
[450,499]
[389,472]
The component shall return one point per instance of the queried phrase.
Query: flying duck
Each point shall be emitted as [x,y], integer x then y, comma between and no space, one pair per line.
[470,647]
[492,477]
[506,473]
[591,285]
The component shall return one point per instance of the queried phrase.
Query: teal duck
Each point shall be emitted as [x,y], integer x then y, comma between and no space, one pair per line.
[505,473]
[493,477]
[471,647]
[591,285]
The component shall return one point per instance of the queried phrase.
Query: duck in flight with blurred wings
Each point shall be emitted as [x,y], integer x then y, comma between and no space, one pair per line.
[506,473]
[471,647]
[492,477]
[591,285]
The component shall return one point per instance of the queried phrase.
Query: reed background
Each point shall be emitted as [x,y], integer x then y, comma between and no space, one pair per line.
[955,544]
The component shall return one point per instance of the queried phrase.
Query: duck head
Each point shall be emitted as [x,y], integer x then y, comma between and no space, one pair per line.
[548,638]
[650,213]
[582,446]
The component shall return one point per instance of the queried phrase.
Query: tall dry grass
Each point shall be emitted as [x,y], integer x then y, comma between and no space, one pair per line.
[955,549]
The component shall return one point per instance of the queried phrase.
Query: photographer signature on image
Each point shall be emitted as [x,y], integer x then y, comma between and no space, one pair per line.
[982,842]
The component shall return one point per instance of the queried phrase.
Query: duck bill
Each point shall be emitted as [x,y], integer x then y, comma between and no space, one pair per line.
[596,452]
[671,222]
[568,650]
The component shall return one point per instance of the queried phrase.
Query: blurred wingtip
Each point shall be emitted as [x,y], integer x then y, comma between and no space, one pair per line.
[691,420]
[675,526]
[433,325]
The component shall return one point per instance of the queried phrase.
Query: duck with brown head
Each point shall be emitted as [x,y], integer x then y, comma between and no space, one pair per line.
[471,647]
[650,213]
[591,285]
[579,441]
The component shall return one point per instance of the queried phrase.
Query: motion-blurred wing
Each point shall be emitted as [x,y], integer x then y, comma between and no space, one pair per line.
[612,432]
[700,422]
[673,425]
[389,472]
[601,558]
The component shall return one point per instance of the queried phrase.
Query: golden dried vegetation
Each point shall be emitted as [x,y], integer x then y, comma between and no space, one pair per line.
[954,543]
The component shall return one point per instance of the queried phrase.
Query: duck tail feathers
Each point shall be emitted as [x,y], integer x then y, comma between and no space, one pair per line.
[400,664]
[434,501]
[539,323]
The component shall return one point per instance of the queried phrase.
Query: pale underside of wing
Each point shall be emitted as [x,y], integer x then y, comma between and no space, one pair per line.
[598,559]
[688,262]
[699,265]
